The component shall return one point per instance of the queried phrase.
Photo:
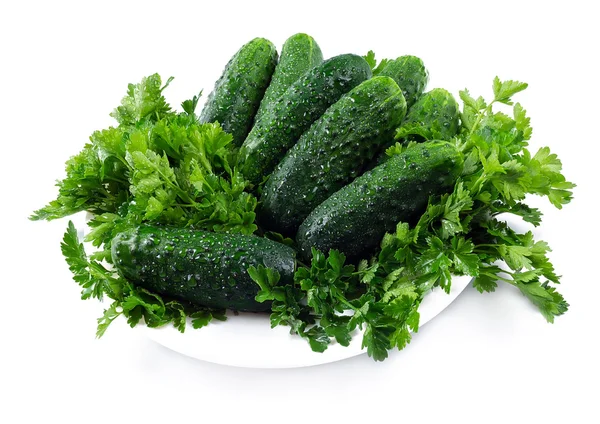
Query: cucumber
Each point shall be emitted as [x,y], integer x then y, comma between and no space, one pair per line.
[300,53]
[410,74]
[238,92]
[331,153]
[435,115]
[355,218]
[204,268]
[294,112]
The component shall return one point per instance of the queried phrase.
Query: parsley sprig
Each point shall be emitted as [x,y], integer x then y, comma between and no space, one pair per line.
[156,166]
[460,233]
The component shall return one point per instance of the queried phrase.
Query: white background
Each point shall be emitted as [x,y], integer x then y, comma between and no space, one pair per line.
[486,359]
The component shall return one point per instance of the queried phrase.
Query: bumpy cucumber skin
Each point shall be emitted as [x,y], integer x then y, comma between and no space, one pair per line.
[204,268]
[355,218]
[303,103]
[300,53]
[238,92]
[331,153]
[410,74]
[435,115]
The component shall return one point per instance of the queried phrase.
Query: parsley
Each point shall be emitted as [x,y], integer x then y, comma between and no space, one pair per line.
[375,67]
[155,166]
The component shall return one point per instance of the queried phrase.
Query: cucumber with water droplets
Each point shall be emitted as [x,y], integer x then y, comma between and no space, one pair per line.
[204,268]
[299,53]
[435,115]
[410,74]
[331,153]
[240,89]
[355,218]
[294,112]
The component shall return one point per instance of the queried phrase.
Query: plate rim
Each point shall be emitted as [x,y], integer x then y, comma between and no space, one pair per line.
[157,335]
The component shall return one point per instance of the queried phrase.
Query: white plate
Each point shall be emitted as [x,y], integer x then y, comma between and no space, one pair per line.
[247,339]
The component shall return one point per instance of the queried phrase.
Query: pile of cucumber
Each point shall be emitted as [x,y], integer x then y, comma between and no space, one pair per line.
[312,136]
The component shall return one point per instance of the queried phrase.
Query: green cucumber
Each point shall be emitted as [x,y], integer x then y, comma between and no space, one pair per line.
[303,103]
[410,74]
[238,92]
[355,218]
[300,53]
[331,153]
[435,115]
[204,268]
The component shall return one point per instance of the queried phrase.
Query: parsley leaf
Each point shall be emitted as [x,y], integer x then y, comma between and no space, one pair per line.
[550,303]
[375,68]
[504,90]
[143,101]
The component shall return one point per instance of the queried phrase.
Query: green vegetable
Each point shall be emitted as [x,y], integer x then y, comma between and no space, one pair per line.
[240,89]
[435,116]
[302,104]
[354,219]
[97,178]
[134,303]
[460,233]
[410,74]
[300,53]
[156,166]
[203,268]
[161,169]
[376,68]
[331,153]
